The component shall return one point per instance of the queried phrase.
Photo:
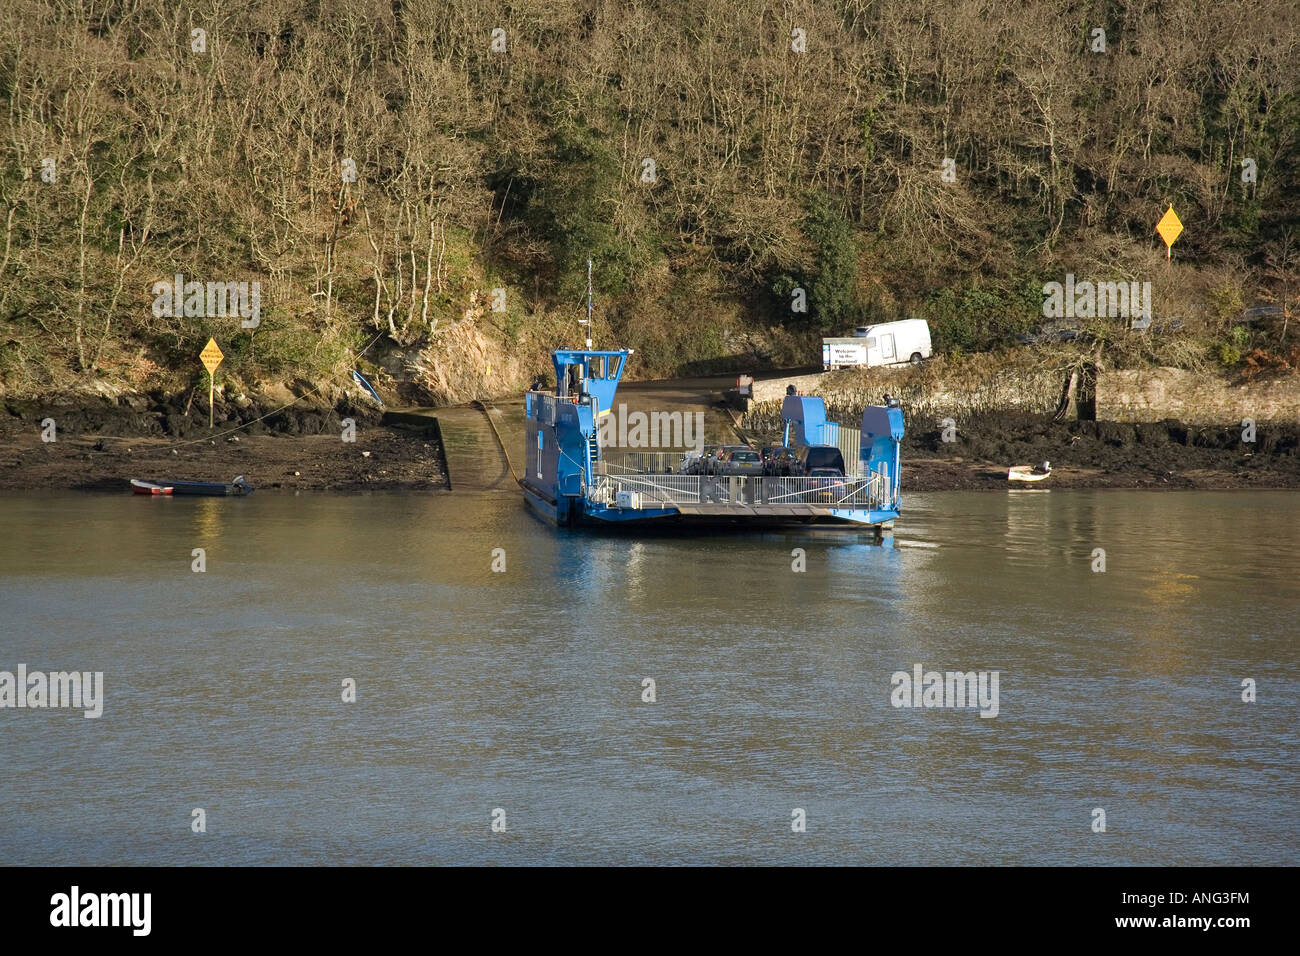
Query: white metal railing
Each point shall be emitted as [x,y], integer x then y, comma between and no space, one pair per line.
[657,491]
[849,442]
[617,461]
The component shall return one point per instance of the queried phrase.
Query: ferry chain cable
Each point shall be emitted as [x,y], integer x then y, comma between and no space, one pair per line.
[486,409]
[274,411]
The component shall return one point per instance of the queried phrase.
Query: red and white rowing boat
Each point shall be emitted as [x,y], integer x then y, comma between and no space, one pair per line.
[149,488]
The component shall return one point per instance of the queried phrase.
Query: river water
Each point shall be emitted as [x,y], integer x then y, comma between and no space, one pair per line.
[522,690]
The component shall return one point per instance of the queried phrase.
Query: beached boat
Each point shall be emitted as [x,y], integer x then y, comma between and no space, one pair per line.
[208,488]
[1029,472]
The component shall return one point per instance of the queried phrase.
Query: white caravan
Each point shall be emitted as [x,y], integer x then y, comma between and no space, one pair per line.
[889,343]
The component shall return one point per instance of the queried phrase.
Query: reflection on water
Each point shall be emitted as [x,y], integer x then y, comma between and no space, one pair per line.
[207,519]
[522,690]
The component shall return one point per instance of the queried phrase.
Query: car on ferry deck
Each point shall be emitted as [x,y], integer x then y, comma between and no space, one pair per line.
[740,461]
[826,484]
[779,463]
[711,463]
[810,457]
[690,463]
[699,464]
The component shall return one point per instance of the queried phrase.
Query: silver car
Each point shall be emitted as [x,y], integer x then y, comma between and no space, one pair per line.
[740,461]
[713,464]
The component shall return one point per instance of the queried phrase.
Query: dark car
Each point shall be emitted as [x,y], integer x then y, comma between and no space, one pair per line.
[701,464]
[826,484]
[1257,312]
[809,457]
[780,463]
[1060,330]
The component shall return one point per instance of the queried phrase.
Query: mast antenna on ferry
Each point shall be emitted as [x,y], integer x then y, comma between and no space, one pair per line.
[587,323]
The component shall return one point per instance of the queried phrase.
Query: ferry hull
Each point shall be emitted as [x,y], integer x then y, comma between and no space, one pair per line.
[576,512]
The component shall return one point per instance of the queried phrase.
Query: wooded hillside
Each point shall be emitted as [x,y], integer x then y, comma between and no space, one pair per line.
[380,168]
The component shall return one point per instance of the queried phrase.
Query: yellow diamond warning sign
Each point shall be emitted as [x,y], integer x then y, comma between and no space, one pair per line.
[211,356]
[1170,227]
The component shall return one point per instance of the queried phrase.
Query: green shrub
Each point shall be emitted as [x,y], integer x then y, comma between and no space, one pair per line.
[1229,356]
[980,318]
[832,292]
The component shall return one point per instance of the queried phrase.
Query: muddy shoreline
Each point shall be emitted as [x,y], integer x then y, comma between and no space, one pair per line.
[1089,454]
[100,446]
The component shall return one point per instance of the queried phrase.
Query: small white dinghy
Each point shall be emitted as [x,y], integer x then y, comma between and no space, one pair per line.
[1029,472]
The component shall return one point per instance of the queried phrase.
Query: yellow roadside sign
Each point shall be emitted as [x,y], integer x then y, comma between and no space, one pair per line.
[211,356]
[1170,226]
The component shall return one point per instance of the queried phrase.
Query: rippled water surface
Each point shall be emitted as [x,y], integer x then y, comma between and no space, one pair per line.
[522,690]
